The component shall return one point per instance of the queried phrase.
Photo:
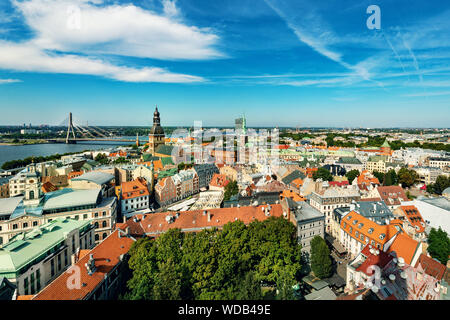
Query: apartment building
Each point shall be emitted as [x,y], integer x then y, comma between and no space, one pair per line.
[134,196]
[327,199]
[33,259]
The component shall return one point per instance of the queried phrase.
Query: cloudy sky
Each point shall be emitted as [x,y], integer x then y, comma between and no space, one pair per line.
[281,62]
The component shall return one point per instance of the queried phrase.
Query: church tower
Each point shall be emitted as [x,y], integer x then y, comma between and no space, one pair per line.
[156,136]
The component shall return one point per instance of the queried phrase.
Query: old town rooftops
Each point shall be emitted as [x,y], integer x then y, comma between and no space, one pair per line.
[197,220]
[106,256]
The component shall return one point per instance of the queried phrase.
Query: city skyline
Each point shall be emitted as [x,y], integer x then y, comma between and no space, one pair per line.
[282,63]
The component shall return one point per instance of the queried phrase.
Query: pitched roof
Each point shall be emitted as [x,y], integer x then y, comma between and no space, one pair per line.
[197,220]
[392,195]
[405,247]
[106,255]
[164,149]
[134,189]
[431,266]
[292,176]
[381,260]
[414,217]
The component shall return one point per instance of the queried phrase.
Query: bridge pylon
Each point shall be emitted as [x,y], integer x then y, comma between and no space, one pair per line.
[69,129]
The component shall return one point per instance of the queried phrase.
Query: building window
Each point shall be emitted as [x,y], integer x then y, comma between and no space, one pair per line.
[96,237]
[52,265]
[96,225]
[35,223]
[25,285]
[104,224]
[104,235]
[65,257]
[25,224]
[32,283]
[59,262]
[38,280]
[14,226]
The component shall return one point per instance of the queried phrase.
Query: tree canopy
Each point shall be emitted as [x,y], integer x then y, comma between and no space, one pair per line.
[439,245]
[322,173]
[442,183]
[231,263]
[407,177]
[321,263]
[351,175]
[230,190]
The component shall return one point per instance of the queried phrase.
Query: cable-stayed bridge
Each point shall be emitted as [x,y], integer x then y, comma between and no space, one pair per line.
[77,132]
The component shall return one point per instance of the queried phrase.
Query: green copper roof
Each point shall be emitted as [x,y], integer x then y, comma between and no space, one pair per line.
[385,144]
[26,248]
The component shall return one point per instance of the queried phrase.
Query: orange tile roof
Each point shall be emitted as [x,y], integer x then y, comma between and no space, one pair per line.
[25,297]
[74,174]
[377,230]
[414,217]
[367,178]
[106,255]
[82,253]
[293,195]
[219,180]
[48,187]
[405,247]
[297,182]
[193,221]
[134,189]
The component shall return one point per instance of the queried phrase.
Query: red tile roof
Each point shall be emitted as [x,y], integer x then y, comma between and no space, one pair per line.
[219,180]
[381,260]
[431,267]
[106,256]
[192,221]
[392,195]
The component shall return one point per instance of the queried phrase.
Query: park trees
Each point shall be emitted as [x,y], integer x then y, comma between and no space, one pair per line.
[322,173]
[439,245]
[321,263]
[352,175]
[231,263]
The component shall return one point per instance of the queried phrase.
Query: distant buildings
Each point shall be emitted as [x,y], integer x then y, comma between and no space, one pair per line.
[156,137]
[176,187]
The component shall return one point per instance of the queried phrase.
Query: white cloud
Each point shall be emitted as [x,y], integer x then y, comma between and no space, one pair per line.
[127,30]
[428,94]
[5,81]
[27,57]
[73,37]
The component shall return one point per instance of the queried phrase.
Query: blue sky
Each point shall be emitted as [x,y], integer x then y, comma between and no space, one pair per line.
[281,62]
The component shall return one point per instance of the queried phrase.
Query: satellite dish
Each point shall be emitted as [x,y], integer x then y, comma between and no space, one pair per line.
[375,289]
[383,281]
[403,275]
[369,285]
[395,260]
[391,277]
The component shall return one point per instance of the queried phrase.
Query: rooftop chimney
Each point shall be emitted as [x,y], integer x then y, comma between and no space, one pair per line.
[209,216]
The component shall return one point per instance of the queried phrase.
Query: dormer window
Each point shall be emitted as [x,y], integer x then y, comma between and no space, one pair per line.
[355,222]
[370,231]
[382,236]
[360,225]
